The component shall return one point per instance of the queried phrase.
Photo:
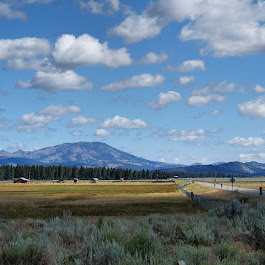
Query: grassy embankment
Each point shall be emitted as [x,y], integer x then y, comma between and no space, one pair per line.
[45,200]
[213,193]
[249,183]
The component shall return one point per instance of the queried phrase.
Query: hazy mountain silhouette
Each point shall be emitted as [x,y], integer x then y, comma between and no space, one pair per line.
[94,154]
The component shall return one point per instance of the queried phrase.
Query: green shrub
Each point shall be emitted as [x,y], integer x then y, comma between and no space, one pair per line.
[141,243]
[193,255]
[116,236]
[13,254]
[19,254]
[28,234]
[227,252]
[250,227]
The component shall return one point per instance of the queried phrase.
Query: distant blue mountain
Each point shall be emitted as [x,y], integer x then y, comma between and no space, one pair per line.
[94,154]
[249,168]
[218,163]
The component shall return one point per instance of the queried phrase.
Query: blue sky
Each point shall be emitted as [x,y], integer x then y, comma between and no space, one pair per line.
[178,81]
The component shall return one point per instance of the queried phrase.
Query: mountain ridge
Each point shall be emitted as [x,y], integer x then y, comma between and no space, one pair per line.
[92,154]
[98,154]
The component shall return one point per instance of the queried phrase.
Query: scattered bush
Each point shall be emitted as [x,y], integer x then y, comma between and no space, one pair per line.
[152,240]
[193,255]
[227,252]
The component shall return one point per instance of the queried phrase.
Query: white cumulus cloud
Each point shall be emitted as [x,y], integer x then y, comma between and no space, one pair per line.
[251,141]
[210,94]
[115,4]
[136,28]
[86,50]
[77,133]
[252,108]
[224,28]
[92,6]
[8,12]
[152,58]
[23,48]
[123,123]
[164,99]
[143,80]
[43,65]
[188,66]
[36,121]
[240,27]
[259,89]
[100,7]
[186,80]
[60,110]
[18,146]
[81,120]
[186,135]
[246,157]
[55,82]
[102,132]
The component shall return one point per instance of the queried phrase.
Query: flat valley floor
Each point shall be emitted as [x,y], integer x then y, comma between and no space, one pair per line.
[45,200]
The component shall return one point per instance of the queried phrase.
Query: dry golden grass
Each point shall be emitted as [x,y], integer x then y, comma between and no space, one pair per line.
[43,200]
[225,180]
[217,193]
[248,185]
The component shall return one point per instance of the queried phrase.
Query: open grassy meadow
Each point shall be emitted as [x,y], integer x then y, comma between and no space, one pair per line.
[45,200]
[123,223]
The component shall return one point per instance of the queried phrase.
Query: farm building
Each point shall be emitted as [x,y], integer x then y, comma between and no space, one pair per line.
[22,180]
[95,180]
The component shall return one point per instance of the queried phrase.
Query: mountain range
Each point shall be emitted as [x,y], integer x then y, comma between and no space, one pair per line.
[94,154]
[249,168]
[97,154]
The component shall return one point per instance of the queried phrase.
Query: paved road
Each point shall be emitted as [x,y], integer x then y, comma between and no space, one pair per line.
[251,192]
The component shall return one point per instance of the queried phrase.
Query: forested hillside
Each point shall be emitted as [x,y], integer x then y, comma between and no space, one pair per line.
[8,172]
[40,172]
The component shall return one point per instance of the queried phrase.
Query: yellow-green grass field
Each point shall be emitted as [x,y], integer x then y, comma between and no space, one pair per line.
[45,200]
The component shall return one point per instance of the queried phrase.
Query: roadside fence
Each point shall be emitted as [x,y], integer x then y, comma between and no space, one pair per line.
[222,207]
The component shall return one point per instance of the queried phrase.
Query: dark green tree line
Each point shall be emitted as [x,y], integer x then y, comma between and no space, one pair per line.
[40,172]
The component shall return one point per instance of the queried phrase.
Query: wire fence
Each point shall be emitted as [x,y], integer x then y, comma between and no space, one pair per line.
[223,207]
